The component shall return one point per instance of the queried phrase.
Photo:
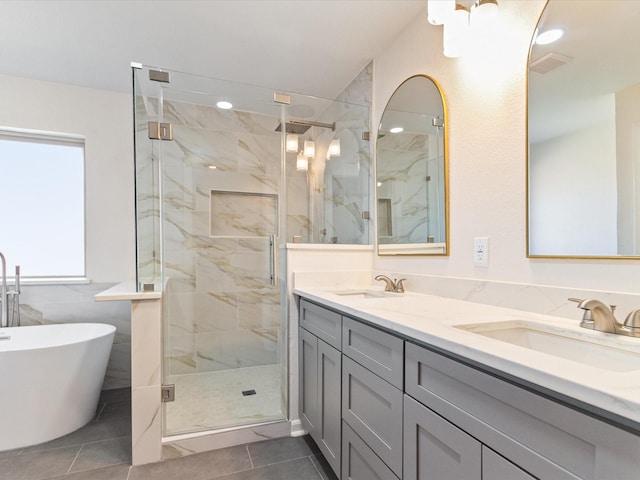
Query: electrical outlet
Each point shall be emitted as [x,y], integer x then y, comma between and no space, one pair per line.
[481,251]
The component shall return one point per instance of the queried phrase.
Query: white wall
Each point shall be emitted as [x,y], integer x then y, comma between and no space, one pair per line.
[485,94]
[105,120]
[573,192]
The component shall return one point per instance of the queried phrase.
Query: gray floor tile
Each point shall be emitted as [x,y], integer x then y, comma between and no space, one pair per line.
[92,432]
[103,453]
[281,449]
[115,409]
[300,469]
[323,467]
[195,467]
[35,466]
[11,453]
[115,395]
[114,472]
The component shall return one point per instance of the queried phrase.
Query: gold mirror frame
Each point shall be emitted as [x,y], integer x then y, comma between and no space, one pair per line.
[385,205]
[575,37]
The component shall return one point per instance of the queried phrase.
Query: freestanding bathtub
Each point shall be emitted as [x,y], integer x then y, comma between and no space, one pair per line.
[50,380]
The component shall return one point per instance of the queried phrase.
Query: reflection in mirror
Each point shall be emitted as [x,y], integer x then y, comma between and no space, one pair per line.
[411,172]
[584,132]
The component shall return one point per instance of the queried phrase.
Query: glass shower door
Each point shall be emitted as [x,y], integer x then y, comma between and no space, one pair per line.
[220,189]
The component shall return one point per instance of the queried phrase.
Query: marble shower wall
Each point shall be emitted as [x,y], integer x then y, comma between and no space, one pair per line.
[221,310]
[403,165]
[50,304]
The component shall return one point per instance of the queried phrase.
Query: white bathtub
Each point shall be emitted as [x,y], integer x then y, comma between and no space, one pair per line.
[50,380]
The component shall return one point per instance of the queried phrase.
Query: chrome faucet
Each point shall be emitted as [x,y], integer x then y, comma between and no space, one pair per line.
[396,286]
[9,301]
[598,316]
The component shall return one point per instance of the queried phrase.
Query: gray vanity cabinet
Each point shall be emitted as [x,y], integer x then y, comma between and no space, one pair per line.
[437,449]
[320,367]
[495,467]
[358,460]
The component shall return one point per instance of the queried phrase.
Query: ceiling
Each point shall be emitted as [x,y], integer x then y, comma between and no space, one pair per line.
[314,47]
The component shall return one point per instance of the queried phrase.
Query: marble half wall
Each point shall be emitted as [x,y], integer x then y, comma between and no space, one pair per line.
[50,304]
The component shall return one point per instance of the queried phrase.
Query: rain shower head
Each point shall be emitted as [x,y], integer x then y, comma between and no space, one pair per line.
[301,126]
[294,127]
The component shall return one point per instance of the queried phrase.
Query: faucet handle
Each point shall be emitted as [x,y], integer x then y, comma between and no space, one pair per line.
[577,300]
[400,285]
[633,320]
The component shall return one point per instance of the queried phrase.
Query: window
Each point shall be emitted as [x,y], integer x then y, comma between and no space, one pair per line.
[42,203]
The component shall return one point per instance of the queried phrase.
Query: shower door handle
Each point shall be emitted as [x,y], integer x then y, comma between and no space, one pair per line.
[273,264]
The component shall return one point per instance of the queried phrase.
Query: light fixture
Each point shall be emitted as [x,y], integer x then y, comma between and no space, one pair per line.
[456,32]
[309,148]
[549,36]
[292,142]
[224,105]
[438,11]
[212,167]
[484,12]
[458,19]
[396,129]
[302,163]
[334,148]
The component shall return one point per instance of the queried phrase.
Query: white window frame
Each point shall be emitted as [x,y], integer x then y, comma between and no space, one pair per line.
[53,138]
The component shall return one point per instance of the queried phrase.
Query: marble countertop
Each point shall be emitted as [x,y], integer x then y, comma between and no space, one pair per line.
[428,319]
[125,291]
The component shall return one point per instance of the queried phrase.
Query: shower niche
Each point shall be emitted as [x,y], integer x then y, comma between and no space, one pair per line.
[214,207]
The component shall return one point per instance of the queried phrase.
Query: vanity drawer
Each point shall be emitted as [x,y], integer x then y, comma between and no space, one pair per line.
[373,408]
[374,349]
[358,460]
[544,438]
[323,323]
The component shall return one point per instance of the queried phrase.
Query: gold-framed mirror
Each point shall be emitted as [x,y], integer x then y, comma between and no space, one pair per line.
[583,165]
[411,171]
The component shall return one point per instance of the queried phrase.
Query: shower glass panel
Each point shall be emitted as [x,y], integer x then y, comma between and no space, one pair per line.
[328,193]
[219,221]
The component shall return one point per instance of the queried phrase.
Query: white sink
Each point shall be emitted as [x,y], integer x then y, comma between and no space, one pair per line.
[364,293]
[587,347]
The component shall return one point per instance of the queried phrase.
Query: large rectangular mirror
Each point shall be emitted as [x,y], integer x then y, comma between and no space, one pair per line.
[411,171]
[584,131]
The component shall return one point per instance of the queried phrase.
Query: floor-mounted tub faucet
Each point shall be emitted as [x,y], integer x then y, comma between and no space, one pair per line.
[4,299]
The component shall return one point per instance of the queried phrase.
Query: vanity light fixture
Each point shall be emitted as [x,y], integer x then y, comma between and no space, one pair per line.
[302,163]
[292,142]
[309,148]
[224,105]
[458,20]
[548,36]
[396,129]
[334,148]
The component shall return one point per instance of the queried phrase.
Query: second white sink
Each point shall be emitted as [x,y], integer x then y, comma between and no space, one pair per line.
[589,348]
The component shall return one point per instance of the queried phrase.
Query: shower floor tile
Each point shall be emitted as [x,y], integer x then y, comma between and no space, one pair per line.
[204,401]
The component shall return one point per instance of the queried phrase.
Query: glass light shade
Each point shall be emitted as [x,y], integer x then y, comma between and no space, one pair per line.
[302,163]
[484,14]
[292,142]
[438,11]
[309,148]
[334,148]
[396,130]
[224,105]
[456,32]
[549,36]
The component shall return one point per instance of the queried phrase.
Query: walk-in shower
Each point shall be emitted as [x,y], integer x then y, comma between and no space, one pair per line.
[218,195]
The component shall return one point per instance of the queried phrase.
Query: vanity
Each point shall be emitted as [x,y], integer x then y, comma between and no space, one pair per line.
[414,386]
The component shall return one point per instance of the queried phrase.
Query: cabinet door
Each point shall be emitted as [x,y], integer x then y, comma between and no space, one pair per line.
[358,460]
[495,467]
[373,408]
[435,449]
[308,388]
[329,386]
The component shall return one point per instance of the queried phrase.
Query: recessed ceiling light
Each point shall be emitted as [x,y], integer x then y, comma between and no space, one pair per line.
[224,105]
[213,167]
[396,129]
[550,36]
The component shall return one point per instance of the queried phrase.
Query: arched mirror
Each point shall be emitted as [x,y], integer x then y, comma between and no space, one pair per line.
[411,171]
[584,132]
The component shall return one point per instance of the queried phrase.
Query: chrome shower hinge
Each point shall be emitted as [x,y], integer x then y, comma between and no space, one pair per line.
[160,131]
[168,393]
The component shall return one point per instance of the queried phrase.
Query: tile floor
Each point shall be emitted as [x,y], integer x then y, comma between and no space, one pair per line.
[101,450]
